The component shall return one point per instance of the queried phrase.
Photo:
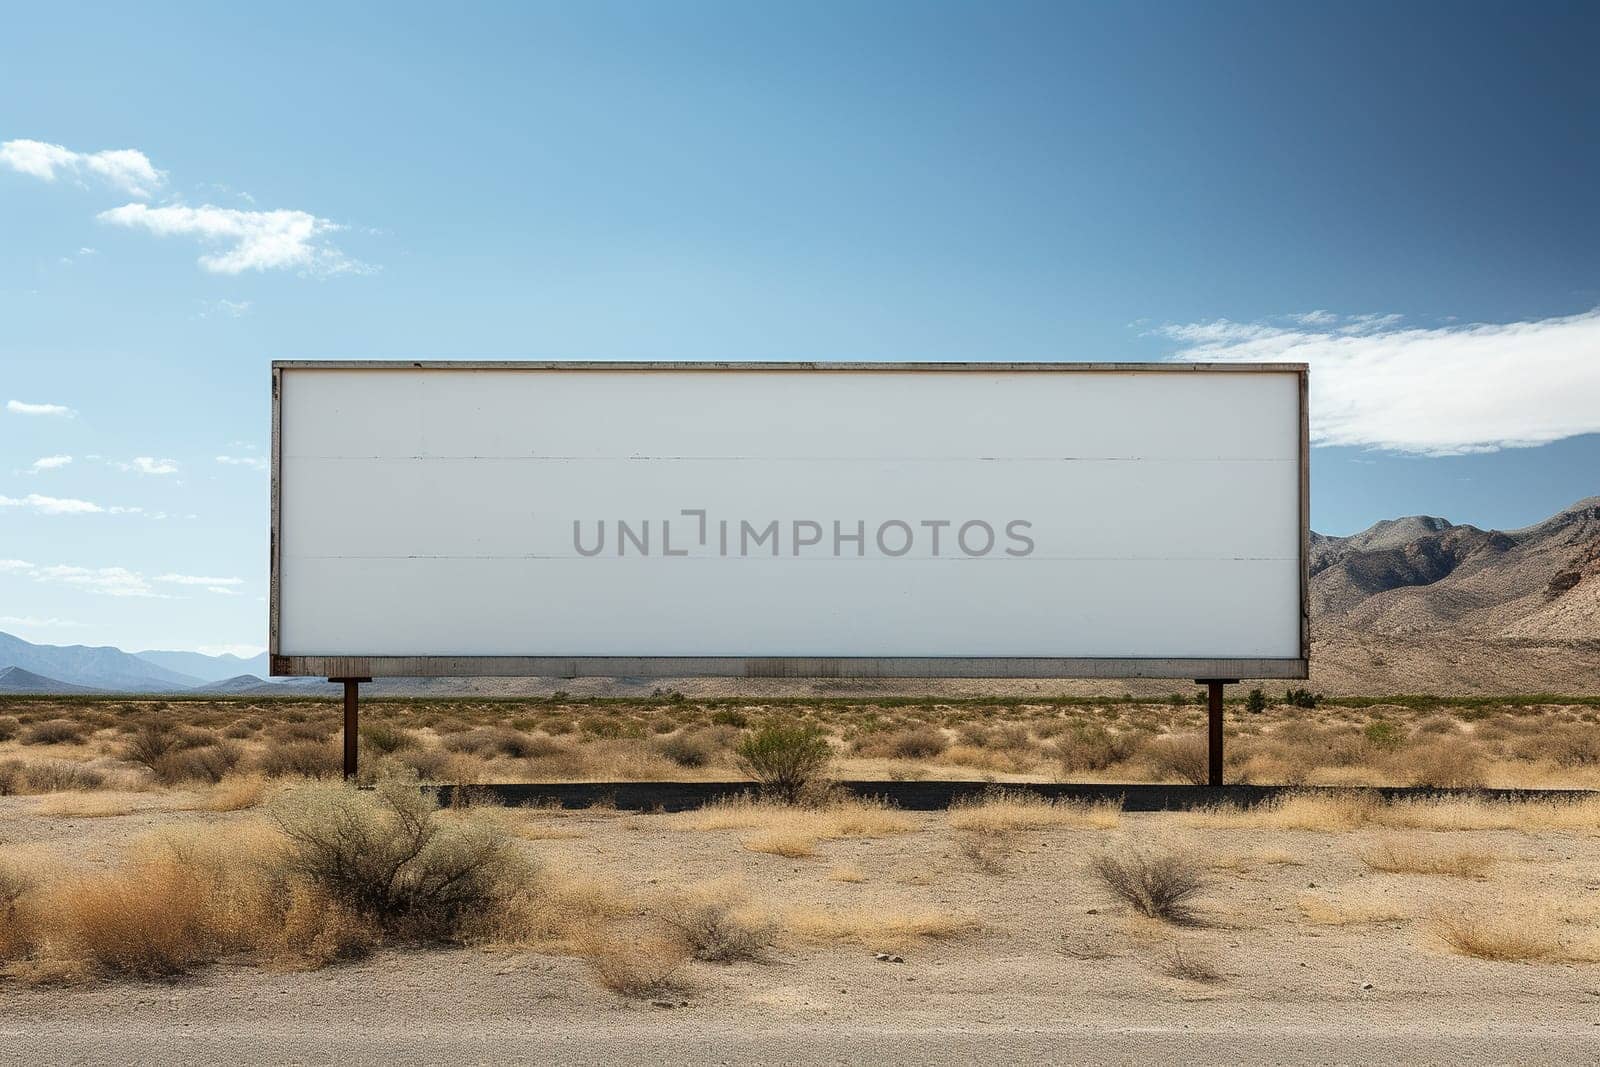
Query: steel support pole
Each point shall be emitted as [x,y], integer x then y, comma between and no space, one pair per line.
[1214,707]
[352,732]
[1214,725]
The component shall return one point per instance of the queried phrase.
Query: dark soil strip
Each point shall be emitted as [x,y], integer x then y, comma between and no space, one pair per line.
[936,796]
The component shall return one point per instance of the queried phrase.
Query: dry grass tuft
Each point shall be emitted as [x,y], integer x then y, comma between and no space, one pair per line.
[561,912]
[988,852]
[791,844]
[149,919]
[848,875]
[235,794]
[1507,934]
[1401,856]
[83,805]
[1351,911]
[795,831]
[1192,965]
[999,810]
[1160,885]
[876,928]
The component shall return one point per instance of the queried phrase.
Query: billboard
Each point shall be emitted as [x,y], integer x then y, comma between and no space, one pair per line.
[780,519]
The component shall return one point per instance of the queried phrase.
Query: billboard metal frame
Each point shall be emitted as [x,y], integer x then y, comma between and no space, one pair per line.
[540,665]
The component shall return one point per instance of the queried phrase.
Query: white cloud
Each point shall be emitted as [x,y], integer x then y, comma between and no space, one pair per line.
[192,579]
[254,240]
[149,465]
[51,505]
[253,462]
[1430,391]
[22,407]
[222,590]
[54,505]
[126,169]
[50,463]
[36,622]
[106,581]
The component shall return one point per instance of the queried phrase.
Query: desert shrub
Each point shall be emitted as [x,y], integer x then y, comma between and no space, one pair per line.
[242,728]
[612,727]
[388,858]
[730,717]
[150,742]
[300,730]
[431,764]
[913,742]
[1573,745]
[1301,698]
[1384,735]
[1256,702]
[304,759]
[1093,748]
[46,776]
[53,732]
[635,967]
[9,727]
[1438,724]
[1451,763]
[690,748]
[1186,756]
[1160,885]
[387,738]
[784,760]
[492,741]
[718,931]
[209,764]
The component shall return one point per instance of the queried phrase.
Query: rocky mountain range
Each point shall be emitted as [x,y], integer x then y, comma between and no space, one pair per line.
[1411,605]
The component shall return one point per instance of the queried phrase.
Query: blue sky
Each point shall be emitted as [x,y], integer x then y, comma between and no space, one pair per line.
[1401,194]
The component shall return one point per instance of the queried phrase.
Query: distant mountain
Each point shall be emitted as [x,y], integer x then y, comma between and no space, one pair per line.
[1424,575]
[1422,605]
[97,667]
[208,668]
[17,680]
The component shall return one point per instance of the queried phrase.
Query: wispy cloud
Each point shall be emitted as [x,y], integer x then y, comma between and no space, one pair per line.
[126,169]
[215,585]
[36,622]
[251,240]
[149,465]
[22,407]
[52,505]
[1435,391]
[253,462]
[233,309]
[55,505]
[105,581]
[50,463]
[116,581]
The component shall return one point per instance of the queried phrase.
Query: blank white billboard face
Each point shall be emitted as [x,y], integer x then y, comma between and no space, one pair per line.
[894,514]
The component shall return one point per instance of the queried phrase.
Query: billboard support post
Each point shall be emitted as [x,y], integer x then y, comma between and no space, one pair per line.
[352,711]
[1214,724]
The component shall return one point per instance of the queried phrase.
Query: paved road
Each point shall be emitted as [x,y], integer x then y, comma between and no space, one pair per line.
[660,1041]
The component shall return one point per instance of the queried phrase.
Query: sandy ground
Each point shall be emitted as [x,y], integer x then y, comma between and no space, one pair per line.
[1056,974]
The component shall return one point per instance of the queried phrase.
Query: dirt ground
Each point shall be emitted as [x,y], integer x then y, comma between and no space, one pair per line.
[1301,951]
